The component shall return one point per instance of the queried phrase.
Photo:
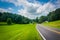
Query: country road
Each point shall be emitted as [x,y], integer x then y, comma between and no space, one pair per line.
[48,33]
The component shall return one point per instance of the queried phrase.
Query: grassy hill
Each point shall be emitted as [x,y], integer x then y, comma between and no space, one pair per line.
[54,24]
[19,32]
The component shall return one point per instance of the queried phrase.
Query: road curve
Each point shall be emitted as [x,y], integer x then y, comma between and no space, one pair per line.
[48,33]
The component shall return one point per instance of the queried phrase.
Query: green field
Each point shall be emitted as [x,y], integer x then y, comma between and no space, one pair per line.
[54,24]
[19,32]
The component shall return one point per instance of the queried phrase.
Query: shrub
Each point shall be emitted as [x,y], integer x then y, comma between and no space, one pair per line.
[9,21]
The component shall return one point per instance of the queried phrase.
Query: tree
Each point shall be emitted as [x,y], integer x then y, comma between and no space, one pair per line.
[9,21]
[15,18]
[42,19]
[37,19]
[57,12]
[51,16]
[0,16]
[19,19]
[54,15]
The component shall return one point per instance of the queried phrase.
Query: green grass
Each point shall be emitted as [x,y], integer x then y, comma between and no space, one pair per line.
[54,24]
[19,32]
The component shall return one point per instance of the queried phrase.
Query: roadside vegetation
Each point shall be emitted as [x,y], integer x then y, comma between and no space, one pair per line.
[52,16]
[18,19]
[54,24]
[53,19]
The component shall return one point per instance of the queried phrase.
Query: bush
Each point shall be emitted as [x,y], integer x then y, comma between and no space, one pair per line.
[9,21]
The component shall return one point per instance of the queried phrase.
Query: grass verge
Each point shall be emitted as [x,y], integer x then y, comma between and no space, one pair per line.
[19,32]
[54,24]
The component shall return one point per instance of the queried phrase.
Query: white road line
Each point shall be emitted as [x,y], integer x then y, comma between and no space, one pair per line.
[40,33]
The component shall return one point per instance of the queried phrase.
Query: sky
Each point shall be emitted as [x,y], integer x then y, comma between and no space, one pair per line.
[29,8]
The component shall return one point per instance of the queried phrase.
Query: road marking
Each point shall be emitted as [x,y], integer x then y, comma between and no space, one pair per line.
[47,29]
[51,30]
[40,33]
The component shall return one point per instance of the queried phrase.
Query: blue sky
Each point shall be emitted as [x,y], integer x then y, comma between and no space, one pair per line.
[29,8]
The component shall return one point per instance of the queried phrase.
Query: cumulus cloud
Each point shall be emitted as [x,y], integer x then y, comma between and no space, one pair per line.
[47,7]
[10,9]
[35,9]
[6,10]
[3,10]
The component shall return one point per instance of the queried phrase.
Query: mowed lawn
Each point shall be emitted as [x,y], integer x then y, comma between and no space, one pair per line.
[54,24]
[19,32]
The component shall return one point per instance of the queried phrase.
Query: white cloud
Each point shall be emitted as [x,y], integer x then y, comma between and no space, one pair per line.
[6,10]
[3,10]
[46,8]
[10,9]
[33,10]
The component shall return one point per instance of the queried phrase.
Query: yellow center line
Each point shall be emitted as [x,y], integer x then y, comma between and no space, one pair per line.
[54,31]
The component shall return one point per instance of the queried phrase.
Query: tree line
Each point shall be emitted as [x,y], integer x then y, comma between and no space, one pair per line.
[52,16]
[15,18]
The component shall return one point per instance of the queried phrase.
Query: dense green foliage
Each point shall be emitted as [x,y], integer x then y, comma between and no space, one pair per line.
[55,15]
[15,18]
[54,24]
[37,20]
[52,16]
[42,19]
[9,21]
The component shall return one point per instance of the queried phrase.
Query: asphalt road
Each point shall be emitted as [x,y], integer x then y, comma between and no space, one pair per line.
[48,33]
